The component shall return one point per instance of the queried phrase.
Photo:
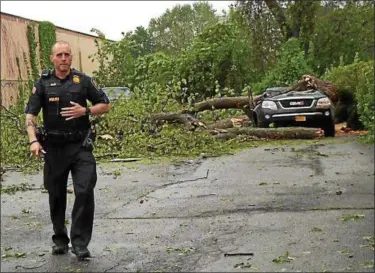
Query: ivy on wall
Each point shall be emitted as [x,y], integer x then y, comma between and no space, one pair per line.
[47,37]
[32,50]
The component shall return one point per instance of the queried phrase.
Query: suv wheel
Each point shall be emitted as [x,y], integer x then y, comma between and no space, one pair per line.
[257,123]
[263,124]
[328,127]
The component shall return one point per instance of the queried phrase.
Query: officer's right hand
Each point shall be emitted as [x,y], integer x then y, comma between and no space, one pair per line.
[36,149]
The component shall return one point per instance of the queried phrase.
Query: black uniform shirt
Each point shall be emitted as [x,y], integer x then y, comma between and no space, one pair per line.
[36,100]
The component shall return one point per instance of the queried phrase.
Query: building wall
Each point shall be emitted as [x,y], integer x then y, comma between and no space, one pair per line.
[14,45]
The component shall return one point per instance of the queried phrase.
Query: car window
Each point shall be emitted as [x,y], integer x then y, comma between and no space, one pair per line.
[116,92]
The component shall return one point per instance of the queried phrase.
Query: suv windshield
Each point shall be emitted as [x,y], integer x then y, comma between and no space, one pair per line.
[114,93]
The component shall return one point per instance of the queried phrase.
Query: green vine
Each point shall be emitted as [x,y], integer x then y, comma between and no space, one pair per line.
[30,75]
[32,50]
[47,37]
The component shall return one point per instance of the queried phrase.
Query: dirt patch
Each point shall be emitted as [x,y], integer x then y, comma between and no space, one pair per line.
[342,130]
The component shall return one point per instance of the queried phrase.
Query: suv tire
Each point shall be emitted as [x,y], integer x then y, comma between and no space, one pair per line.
[263,124]
[328,127]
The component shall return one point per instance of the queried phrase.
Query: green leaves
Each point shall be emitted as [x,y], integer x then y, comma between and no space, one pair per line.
[351,217]
[32,50]
[47,38]
[290,66]
[283,259]
[358,78]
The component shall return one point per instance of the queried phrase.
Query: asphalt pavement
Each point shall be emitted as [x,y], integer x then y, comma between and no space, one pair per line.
[292,208]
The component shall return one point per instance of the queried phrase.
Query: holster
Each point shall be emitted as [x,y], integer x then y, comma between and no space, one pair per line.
[41,135]
[89,138]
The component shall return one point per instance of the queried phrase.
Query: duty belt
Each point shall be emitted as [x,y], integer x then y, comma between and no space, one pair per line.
[60,136]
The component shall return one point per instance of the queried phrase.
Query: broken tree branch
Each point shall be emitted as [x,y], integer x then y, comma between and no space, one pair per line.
[125,159]
[310,82]
[180,118]
[15,118]
[223,103]
[270,133]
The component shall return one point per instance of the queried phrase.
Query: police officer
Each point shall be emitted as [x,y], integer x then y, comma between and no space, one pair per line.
[62,93]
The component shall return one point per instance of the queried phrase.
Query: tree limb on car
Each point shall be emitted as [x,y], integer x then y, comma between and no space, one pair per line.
[310,82]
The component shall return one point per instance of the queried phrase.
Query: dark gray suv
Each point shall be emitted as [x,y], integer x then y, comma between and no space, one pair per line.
[282,107]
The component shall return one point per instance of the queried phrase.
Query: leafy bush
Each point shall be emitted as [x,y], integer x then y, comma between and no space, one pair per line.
[359,78]
[290,66]
[128,123]
[14,143]
[365,97]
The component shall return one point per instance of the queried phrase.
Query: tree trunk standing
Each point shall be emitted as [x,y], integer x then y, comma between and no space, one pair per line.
[279,15]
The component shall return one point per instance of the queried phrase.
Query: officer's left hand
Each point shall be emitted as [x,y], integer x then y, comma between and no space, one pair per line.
[75,111]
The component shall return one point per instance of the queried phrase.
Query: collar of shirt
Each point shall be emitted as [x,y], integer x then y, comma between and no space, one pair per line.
[69,76]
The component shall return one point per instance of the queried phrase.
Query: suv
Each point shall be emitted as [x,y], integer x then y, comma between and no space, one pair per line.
[115,93]
[311,108]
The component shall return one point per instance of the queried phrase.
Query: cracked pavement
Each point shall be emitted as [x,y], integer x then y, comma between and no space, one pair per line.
[184,216]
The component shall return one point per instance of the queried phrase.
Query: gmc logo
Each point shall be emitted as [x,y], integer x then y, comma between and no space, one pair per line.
[296,103]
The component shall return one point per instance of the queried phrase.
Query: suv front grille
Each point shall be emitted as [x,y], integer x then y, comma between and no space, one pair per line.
[296,103]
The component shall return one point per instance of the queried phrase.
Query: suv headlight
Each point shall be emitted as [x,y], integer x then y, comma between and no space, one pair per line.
[269,104]
[323,103]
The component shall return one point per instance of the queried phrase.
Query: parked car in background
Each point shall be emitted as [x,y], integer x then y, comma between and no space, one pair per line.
[311,108]
[115,93]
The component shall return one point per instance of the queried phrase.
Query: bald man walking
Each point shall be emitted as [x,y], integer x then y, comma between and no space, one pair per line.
[62,94]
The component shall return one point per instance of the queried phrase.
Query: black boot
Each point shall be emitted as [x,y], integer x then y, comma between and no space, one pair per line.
[81,251]
[60,249]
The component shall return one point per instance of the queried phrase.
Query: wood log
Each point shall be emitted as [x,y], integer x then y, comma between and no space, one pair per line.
[180,118]
[271,133]
[310,82]
[237,121]
[223,103]
[222,124]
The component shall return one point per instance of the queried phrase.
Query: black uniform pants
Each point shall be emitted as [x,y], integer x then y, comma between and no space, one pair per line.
[80,161]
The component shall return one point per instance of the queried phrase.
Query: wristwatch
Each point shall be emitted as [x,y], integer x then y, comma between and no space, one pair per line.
[88,111]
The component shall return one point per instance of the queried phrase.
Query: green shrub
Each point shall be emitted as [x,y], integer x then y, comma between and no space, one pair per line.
[359,79]
[289,68]
[14,141]
[365,97]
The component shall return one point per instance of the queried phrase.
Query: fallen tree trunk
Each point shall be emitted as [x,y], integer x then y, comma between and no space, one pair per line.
[223,103]
[310,82]
[269,133]
[229,123]
[180,118]
[186,117]
[222,124]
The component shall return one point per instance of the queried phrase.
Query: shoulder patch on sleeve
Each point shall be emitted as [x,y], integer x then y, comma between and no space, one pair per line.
[94,84]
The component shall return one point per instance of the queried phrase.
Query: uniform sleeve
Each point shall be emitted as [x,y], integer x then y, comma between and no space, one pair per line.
[94,94]
[35,103]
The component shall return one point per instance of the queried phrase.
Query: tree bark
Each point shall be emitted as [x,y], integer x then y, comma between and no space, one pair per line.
[223,103]
[180,118]
[270,133]
[279,15]
[308,81]
[228,123]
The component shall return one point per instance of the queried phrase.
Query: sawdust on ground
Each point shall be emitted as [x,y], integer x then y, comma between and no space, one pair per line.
[342,130]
